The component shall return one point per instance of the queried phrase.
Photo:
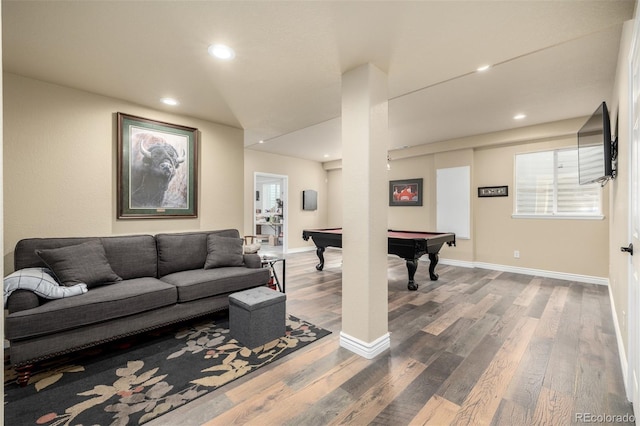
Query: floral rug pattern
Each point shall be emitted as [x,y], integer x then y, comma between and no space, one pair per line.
[137,381]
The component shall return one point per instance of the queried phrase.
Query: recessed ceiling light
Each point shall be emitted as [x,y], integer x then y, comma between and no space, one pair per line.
[519,116]
[260,141]
[483,68]
[169,101]
[221,51]
[326,156]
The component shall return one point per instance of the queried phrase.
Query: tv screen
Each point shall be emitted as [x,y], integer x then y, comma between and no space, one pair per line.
[594,148]
[309,199]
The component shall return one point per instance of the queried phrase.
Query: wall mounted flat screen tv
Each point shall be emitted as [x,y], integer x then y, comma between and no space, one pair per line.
[309,199]
[595,148]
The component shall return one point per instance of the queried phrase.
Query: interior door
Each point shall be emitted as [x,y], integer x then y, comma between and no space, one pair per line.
[633,355]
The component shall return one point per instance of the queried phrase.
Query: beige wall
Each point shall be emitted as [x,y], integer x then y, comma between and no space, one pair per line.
[577,247]
[558,245]
[302,174]
[414,218]
[60,166]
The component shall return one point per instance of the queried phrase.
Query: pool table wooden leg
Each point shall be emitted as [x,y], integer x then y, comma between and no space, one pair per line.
[412,265]
[433,257]
[320,253]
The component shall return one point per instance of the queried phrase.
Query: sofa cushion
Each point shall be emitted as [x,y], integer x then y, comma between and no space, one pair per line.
[99,304]
[185,251]
[132,256]
[201,283]
[223,251]
[82,263]
[180,252]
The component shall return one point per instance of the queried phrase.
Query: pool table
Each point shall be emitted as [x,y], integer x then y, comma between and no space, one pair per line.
[408,245]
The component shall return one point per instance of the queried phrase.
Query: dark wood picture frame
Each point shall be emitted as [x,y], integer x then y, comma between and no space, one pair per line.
[157,169]
[493,191]
[407,192]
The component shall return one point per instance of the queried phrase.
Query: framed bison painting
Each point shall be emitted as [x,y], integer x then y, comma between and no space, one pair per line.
[157,169]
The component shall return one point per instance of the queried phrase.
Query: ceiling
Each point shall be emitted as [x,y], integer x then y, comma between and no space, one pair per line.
[551,60]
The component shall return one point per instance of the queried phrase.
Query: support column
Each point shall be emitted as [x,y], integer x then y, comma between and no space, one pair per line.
[365,203]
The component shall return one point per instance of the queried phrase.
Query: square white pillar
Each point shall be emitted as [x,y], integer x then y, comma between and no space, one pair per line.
[365,203]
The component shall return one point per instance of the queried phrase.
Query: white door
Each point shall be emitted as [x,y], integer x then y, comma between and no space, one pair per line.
[633,355]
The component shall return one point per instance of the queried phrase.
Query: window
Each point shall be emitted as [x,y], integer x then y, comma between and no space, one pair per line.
[271,193]
[547,186]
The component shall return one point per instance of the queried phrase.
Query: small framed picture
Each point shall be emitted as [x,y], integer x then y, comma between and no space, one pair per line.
[406,192]
[493,191]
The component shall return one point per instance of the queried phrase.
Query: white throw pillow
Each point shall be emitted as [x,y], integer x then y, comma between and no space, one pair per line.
[40,281]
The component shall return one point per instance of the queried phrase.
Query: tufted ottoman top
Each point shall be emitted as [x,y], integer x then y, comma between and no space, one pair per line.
[256,298]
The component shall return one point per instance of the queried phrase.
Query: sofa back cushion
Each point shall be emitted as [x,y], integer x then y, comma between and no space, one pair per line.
[185,251]
[223,251]
[132,256]
[84,263]
[25,255]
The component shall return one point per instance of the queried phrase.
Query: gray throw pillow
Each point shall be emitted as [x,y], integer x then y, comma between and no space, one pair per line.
[223,251]
[81,263]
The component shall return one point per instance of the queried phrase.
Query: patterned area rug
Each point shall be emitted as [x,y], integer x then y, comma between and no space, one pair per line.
[133,381]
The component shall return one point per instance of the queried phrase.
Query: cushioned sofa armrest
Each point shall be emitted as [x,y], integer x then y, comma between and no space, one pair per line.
[20,300]
[252,260]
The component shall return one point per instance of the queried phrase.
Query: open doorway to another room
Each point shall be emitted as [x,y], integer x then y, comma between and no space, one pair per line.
[270,208]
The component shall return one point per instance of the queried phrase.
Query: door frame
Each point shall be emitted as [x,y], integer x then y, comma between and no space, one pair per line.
[633,280]
[285,200]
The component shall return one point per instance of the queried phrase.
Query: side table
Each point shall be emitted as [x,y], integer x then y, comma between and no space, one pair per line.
[270,261]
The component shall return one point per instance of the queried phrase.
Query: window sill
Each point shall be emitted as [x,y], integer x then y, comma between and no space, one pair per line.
[557,216]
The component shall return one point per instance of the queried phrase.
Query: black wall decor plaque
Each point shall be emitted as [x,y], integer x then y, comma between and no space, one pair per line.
[493,191]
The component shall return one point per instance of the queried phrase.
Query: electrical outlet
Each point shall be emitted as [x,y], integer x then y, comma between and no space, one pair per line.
[516,254]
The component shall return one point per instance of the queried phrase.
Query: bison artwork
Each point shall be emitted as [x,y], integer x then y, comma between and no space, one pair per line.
[156,181]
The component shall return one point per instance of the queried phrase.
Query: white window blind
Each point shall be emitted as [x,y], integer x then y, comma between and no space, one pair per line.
[592,161]
[547,185]
[271,192]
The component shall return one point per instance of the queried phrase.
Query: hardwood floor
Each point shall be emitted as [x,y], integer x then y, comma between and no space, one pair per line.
[476,347]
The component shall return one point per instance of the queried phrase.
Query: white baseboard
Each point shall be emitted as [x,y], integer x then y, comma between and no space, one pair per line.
[624,364]
[504,268]
[527,271]
[367,350]
[515,269]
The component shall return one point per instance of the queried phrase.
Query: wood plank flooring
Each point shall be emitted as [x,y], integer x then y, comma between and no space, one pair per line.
[476,347]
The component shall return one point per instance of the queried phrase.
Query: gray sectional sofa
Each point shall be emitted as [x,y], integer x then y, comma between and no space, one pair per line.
[135,283]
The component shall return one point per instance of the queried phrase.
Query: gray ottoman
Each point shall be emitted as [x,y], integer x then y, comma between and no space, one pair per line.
[257,316]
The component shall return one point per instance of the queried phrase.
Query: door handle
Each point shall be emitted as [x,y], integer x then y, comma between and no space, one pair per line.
[628,249]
